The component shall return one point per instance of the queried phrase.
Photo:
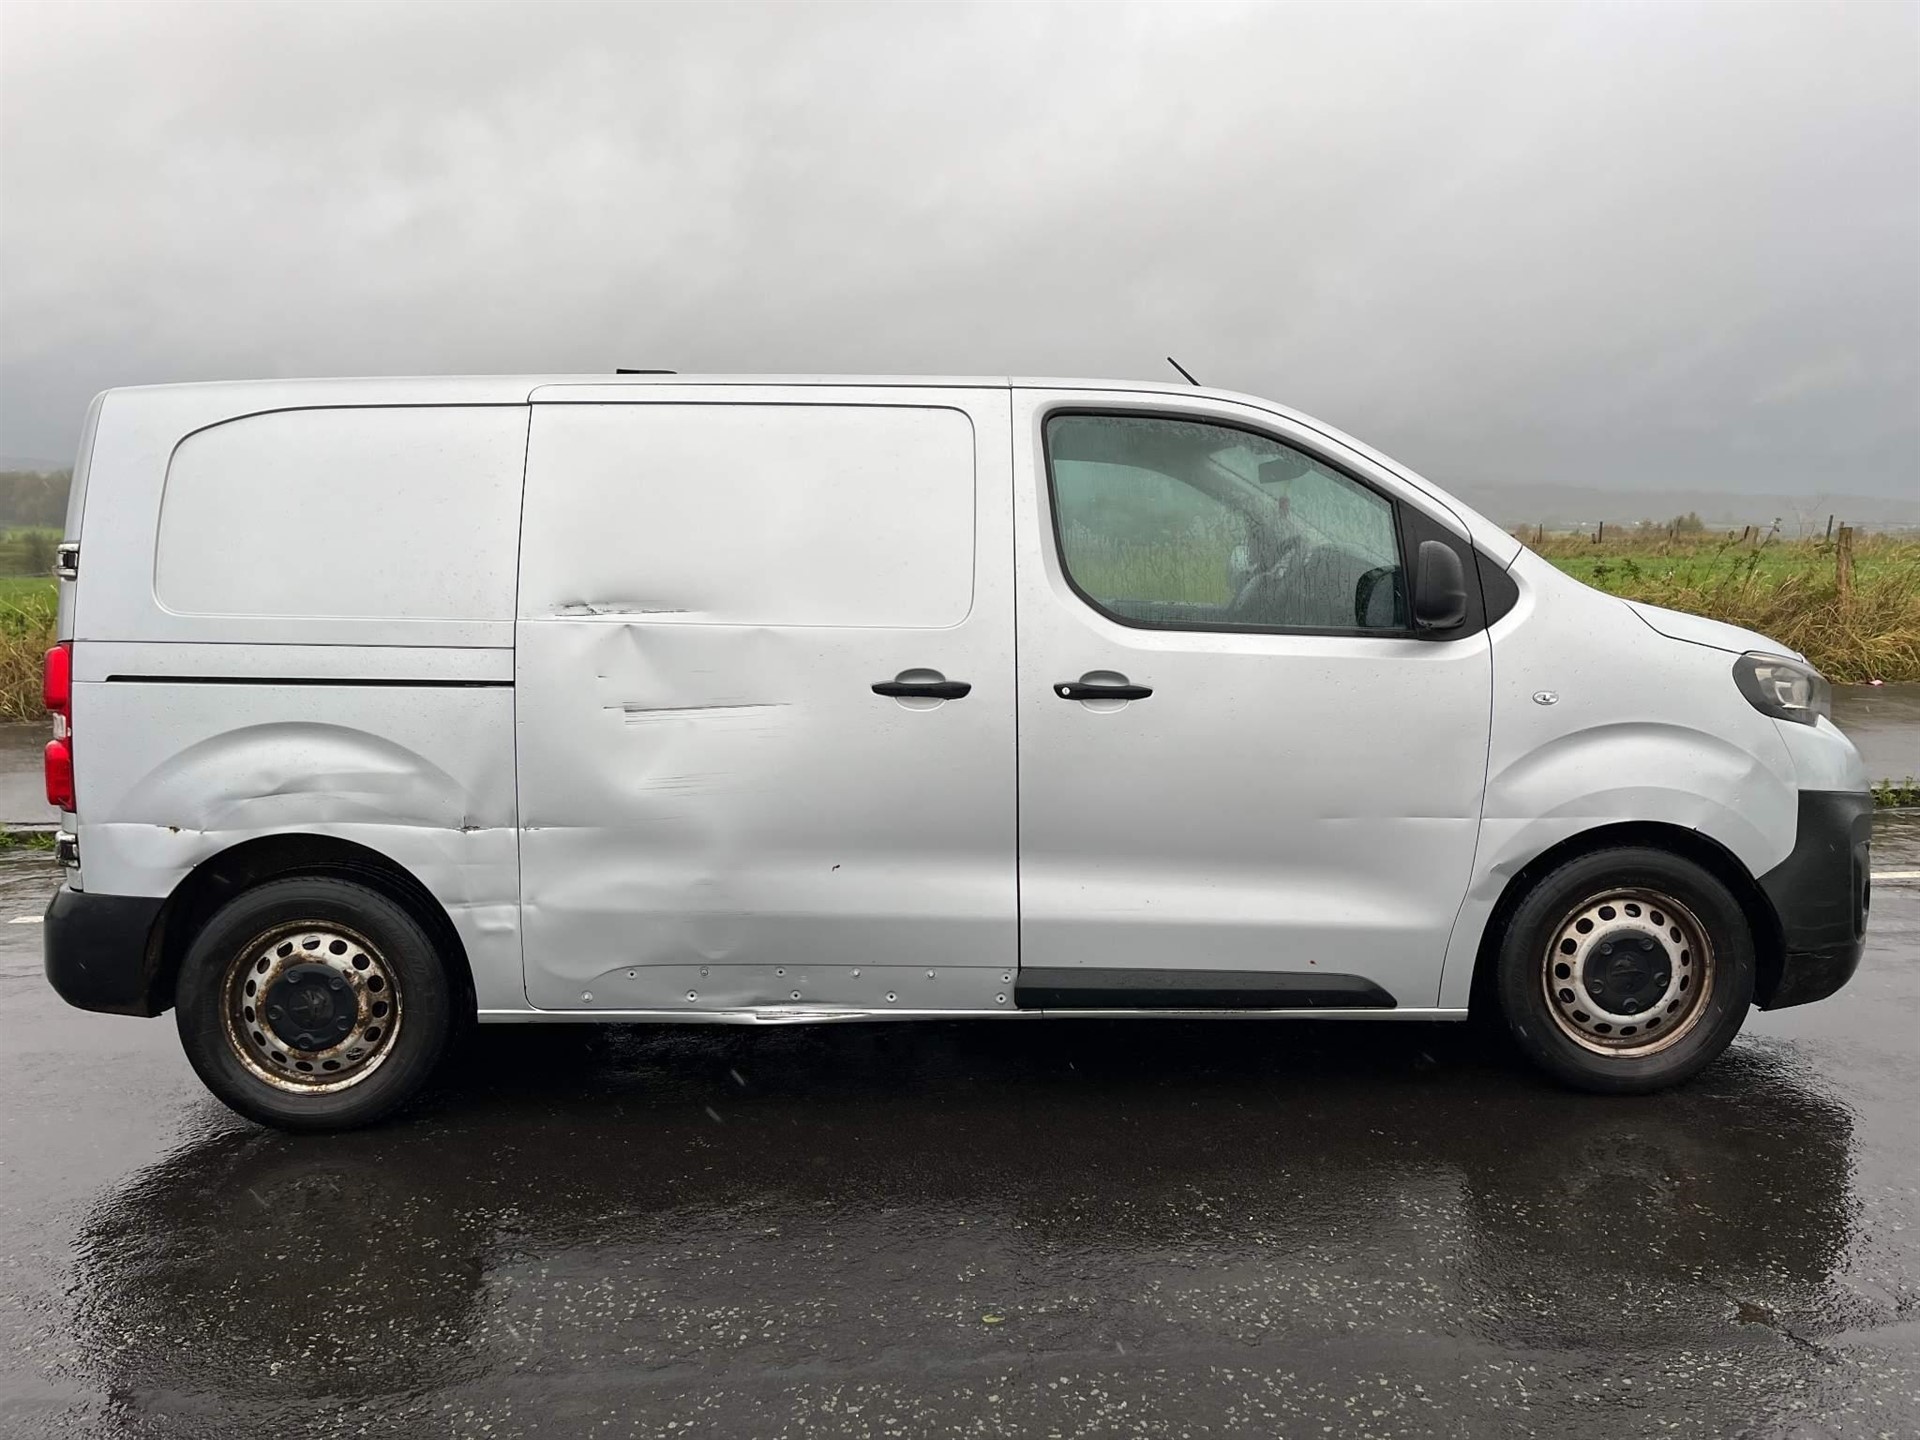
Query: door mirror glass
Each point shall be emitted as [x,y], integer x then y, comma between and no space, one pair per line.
[1439,588]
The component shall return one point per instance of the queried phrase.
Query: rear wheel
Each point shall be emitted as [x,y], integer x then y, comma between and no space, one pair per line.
[313,1004]
[1626,971]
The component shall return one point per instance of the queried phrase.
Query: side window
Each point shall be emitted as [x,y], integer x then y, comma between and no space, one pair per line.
[1179,523]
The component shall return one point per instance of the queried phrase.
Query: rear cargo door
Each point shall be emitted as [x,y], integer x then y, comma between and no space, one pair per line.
[719,808]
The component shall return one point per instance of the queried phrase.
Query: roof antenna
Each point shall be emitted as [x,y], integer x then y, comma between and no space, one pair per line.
[1183,370]
[646,372]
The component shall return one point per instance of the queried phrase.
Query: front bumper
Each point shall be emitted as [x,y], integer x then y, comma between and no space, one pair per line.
[98,955]
[1820,893]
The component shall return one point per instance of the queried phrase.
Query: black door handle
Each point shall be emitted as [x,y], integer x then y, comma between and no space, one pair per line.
[1075,690]
[924,689]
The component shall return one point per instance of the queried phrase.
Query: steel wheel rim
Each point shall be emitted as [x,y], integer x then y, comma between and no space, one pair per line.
[1628,972]
[322,1037]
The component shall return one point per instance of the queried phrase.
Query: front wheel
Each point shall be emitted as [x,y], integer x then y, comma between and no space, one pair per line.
[1626,971]
[313,1004]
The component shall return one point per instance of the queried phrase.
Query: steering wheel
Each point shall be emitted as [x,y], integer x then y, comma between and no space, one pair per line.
[1250,588]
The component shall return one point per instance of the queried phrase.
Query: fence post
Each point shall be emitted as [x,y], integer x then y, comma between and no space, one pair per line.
[1600,535]
[1843,563]
[1829,529]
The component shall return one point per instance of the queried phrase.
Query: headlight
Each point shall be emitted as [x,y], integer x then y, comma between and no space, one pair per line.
[1785,689]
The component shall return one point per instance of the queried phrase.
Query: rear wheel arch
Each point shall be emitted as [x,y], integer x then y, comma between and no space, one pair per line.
[221,878]
[1768,941]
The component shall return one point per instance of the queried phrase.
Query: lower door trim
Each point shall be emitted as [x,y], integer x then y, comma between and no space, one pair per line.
[831,1014]
[1081,988]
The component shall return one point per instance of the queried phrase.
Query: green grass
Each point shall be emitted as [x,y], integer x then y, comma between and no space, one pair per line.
[28,550]
[1198,572]
[28,590]
[1786,590]
[1774,564]
[29,607]
[1896,794]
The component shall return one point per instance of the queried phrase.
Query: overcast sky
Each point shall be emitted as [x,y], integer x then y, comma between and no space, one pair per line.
[1641,246]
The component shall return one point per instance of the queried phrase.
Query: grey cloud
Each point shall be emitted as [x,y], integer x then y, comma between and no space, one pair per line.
[1637,246]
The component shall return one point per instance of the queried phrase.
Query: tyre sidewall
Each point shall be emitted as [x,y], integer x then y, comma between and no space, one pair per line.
[405,947]
[1523,999]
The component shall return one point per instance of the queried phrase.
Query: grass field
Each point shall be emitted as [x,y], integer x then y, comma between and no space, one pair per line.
[27,608]
[1787,590]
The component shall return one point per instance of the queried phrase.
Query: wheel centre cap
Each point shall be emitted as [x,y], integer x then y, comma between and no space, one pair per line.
[311,1007]
[1626,971]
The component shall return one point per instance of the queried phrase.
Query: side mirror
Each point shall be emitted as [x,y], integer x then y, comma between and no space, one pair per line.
[1439,588]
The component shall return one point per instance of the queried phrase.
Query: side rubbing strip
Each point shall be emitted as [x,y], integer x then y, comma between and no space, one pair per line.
[341,680]
[1073,988]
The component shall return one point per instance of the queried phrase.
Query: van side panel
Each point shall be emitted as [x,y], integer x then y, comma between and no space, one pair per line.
[404,514]
[290,526]
[294,616]
[718,810]
[172,773]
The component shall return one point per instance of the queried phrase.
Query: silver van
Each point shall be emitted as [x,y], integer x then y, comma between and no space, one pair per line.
[385,706]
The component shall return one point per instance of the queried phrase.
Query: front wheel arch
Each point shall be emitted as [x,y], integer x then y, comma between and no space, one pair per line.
[1769,941]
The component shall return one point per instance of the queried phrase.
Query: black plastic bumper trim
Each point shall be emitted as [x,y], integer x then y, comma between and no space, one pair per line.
[1821,893]
[1074,988]
[96,950]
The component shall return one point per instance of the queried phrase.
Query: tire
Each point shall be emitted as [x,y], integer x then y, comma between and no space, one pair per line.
[361,1008]
[1626,971]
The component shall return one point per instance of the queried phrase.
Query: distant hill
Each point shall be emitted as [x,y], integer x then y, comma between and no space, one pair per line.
[1561,507]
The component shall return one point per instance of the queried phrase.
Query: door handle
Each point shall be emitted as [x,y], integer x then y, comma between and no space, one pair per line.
[1080,690]
[923,689]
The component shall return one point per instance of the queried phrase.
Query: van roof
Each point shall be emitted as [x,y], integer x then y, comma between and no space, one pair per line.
[483,388]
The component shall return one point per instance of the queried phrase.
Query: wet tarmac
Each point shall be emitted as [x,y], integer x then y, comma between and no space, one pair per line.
[23,783]
[1022,1229]
[1883,721]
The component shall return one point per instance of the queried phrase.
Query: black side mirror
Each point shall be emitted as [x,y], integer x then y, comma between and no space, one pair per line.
[1439,588]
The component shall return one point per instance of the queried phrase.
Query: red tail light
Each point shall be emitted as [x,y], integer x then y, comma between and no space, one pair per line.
[56,691]
[60,775]
[56,680]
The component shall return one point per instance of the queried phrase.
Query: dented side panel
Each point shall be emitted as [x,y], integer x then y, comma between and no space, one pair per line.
[717,811]
[171,774]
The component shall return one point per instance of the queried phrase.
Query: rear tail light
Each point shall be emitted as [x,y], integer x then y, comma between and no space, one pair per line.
[56,690]
[56,681]
[59,775]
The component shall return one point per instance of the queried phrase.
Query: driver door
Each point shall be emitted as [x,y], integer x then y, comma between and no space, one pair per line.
[1243,778]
